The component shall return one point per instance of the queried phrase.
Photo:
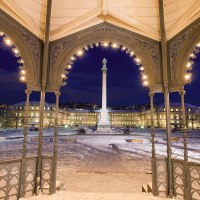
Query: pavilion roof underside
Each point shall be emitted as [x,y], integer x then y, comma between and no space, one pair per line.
[71,16]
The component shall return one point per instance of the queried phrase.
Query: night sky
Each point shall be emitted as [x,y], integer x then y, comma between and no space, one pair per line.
[124,85]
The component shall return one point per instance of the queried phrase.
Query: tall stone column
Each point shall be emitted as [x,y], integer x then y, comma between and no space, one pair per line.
[40,138]
[23,166]
[104,84]
[55,149]
[153,151]
[104,125]
[187,190]
[169,150]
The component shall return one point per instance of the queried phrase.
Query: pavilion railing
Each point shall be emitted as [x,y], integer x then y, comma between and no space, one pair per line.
[184,187]
[161,175]
[11,184]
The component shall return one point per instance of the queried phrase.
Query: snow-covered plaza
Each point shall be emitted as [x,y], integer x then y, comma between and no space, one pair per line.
[101,164]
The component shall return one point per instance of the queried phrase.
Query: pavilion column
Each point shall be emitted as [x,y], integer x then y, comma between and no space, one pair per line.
[40,141]
[187,190]
[169,150]
[55,149]
[24,148]
[153,151]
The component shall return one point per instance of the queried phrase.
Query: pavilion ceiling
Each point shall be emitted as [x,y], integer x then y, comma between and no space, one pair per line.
[71,16]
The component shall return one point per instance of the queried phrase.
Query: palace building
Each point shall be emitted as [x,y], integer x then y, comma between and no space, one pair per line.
[118,118]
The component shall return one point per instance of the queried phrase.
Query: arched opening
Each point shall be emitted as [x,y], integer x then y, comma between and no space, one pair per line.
[184,117]
[102,155]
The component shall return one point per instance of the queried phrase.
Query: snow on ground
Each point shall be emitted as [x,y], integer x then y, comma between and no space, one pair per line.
[103,166]
[96,196]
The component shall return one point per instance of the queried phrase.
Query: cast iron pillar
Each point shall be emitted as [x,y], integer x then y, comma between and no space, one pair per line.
[153,151]
[24,148]
[169,150]
[55,149]
[40,138]
[187,189]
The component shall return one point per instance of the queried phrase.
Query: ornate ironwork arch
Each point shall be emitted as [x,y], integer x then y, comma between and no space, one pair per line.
[29,46]
[180,47]
[146,49]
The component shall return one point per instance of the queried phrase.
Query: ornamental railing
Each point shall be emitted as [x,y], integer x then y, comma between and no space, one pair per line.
[18,177]
[186,178]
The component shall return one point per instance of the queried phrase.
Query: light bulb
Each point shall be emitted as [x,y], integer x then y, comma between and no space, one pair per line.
[23,71]
[123,48]
[138,60]
[188,76]
[22,78]
[105,44]
[141,68]
[144,76]
[73,58]
[114,45]
[8,42]
[80,52]
[69,66]
[145,83]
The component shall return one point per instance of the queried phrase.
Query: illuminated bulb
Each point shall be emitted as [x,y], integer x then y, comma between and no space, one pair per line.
[73,58]
[145,83]
[123,48]
[97,44]
[192,55]
[105,44]
[69,66]
[144,76]
[198,44]
[86,48]
[80,52]
[16,51]
[22,78]
[188,76]
[23,72]
[131,53]
[20,61]
[8,41]
[114,45]
[189,64]
[138,60]
[1,33]
[141,68]
[63,76]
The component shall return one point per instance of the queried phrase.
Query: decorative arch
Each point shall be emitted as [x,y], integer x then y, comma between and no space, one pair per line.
[62,50]
[29,47]
[181,49]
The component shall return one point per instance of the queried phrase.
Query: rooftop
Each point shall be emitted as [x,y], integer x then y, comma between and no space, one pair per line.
[71,16]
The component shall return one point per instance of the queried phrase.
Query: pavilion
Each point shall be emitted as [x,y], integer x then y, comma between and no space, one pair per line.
[162,36]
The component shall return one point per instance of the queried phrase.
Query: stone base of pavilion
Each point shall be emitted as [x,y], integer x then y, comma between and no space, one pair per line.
[106,129]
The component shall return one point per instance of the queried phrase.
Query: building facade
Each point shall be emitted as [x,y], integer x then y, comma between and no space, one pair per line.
[14,116]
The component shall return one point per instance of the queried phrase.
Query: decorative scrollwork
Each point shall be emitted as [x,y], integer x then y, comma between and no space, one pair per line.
[178,175]
[9,179]
[56,49]
[195,181]
[46,174]
[152,48]
[33,43]
[161,175]
[105,28]
[30,170]
[176,44]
